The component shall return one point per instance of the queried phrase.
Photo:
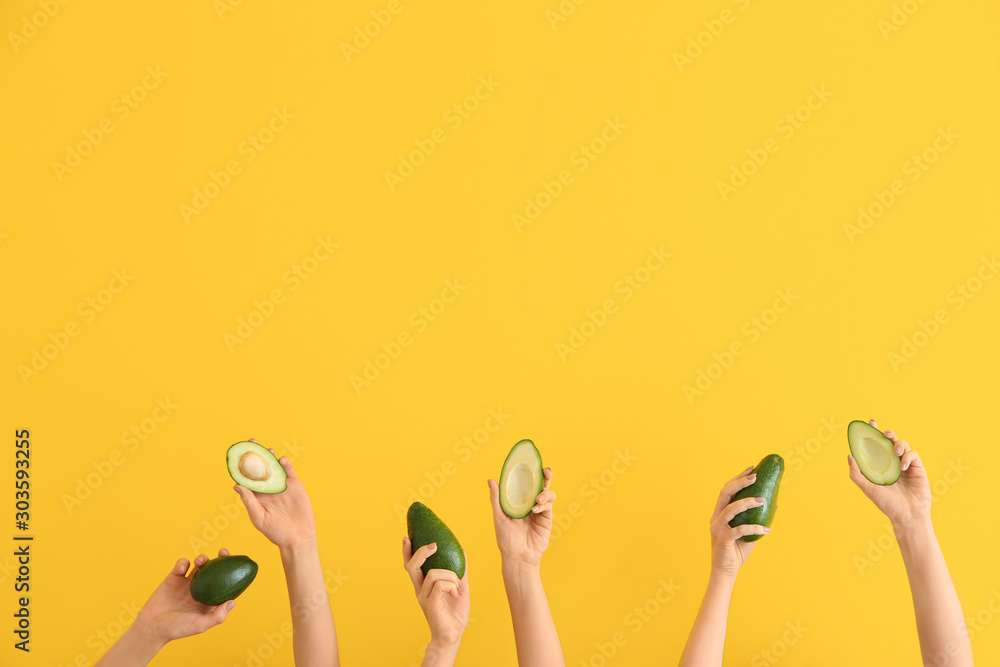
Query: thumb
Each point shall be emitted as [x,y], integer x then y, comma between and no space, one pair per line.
[495,498]
[254,509]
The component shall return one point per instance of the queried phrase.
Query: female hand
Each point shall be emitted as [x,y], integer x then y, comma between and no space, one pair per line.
[443,597]
[285,518]
[728,551]
[524,540]
[171,613]
[909,499]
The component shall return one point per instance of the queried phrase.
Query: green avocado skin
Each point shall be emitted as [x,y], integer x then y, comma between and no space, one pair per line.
[424,527]
[222,579]
[769,472]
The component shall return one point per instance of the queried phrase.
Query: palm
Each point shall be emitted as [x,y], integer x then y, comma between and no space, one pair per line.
[909,496]
[173,612]
[523,539]
[284,518]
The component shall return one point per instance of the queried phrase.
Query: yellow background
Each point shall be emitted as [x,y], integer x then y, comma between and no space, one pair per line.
[494,347]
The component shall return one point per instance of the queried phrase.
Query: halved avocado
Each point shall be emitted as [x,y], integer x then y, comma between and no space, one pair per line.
[256,468]
[875,453]
[521,480]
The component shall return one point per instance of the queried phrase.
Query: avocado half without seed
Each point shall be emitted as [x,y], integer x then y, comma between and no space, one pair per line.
[875,453]
[255,468]
[521,480]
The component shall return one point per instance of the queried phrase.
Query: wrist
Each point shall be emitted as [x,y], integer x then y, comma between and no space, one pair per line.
[302,546]
[722,577]
[441,652]
[518,569]
[912,526]
[145,634]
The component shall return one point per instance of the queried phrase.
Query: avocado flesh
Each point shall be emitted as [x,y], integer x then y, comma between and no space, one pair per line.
[769,472]
[521,480]
[424,527]
[222,579]
[254,467]
[875,453]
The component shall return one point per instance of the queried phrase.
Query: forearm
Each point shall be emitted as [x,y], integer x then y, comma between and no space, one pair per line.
[314,637]
[944,638]
[135,648]
[534,629]
[708,636]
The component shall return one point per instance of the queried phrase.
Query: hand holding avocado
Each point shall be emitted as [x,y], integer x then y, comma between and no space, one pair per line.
[729,552]
[522,505]
[444,599]
[285,518]
[906,500]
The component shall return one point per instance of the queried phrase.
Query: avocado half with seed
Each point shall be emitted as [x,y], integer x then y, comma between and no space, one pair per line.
[521,480]
[875,453]
[255,468]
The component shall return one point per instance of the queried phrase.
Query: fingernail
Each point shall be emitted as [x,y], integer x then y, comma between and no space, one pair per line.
[748,469]
[767,530]
[536,509]
[905,466]
[760,501]
[752,477]
[229,607]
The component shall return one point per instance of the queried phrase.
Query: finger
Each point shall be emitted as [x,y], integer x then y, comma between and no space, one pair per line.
[465,577]
[199,560]
[742,474]
[742,505]
[180,568]
[730,489]
[748,529]
[414,564]
[287,465]
[214,617]
[254,509]
[911,460]
[407,551]
[223,553]
[544,501]
[872,422]
[902,446]
[547,474]
[435,577]
[253,440]
[495,498]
